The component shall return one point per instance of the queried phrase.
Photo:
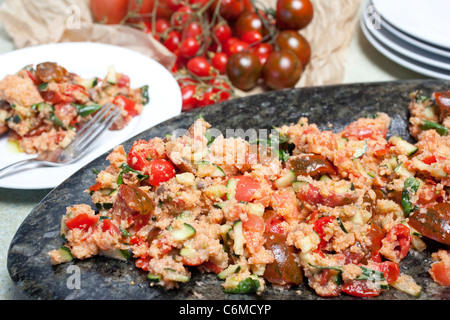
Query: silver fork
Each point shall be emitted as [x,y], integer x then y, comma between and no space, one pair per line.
[91,130]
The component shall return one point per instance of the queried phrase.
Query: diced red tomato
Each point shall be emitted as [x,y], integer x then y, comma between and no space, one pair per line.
[360,288]
[123,81]
[212,267]
[107,225]
[246,187]
[390,270]
[127,104]
[143,262]
[273,222]
[95,187]
[160,171]
[400,236]
[376,234]
[253,223]
[429,159]
[440,272]
[319,226]
[81,221]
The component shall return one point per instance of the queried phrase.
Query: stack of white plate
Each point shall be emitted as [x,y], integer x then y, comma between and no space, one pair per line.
[412,33]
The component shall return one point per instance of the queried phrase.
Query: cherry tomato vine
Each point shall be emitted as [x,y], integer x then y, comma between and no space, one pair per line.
[221,45]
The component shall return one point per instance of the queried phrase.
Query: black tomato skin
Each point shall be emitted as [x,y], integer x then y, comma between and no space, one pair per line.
[282,70]
[244,70]
[294,14]
[292,40]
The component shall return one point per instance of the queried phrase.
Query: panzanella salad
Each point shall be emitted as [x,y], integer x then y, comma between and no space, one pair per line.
[337,212]
[42,107]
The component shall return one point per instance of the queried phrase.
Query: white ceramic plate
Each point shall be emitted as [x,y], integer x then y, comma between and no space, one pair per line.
[89,60]
[402,60]
[384,24]
[405,48]
[425,20]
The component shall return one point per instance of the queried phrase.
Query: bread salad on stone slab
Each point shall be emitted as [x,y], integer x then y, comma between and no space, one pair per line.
[337,212]
[42,107]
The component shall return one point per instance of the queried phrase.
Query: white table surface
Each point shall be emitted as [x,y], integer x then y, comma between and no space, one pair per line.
[364,64]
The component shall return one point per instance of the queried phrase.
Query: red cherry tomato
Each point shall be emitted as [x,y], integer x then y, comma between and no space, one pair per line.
[251,36]
[219,61]
[189,102]
[140,155]
[181,16]
[222,31]
[161,171]
[199,66]
[133,200]
[189,47]
[234,45]
[294,14]
[262,51]
[172,42]
[193,29]
[161,25]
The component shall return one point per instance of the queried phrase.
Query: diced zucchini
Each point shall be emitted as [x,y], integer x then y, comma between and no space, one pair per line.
[234,268]
[111,76]
[430,112]
[123,255]
[408,148]
[231,189]
[403,171]
[238,232]
[184,232]
[359,152]
[154,277]
[89,83]
[207,169]
[297,185]
[410,187]
[188,252]
[247,285]
[175,276]
[407,284]
[224,229]
[428,125]
[361,217]
[186,179]
[325,178]
[256,208]
[65,254]
[218,190]
[342,142]
[393,163]
[286,180]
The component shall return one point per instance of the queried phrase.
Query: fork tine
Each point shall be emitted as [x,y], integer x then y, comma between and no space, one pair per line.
[92,125]
[84,143]
[94,119]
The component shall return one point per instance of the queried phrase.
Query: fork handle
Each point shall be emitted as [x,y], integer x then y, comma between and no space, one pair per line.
[4,171]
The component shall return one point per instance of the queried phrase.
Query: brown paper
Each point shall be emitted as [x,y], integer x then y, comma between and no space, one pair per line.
[35,22]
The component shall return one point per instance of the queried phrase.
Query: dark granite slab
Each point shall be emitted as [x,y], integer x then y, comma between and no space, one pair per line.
[102,278]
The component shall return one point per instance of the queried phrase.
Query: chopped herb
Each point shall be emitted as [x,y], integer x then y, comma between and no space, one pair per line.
[247,285]
[86,110]
[410,187]
[144,94]
[428,125]
[126,168]
[43,86]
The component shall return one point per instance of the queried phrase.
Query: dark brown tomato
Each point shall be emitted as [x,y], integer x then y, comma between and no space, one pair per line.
[434,224]
[248,21]
[294,14]
[133,200]
[50,71]
[282,70]
[443,102]
[244,70]
[292,40]
[310,165]
[284,270]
